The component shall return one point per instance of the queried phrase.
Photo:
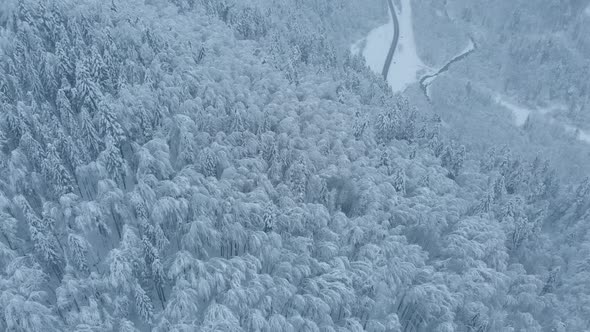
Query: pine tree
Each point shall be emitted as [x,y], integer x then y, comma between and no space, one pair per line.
[66,114]
[143,304]
[33,150]
[87,135]
[108,126]
[56,173]
[269,217]
[156,269]
[186,149]
[114,162]
[121,272]
[453,158]
[97,67]
[111,82]
[68,151]
[66,67]
[208,161]
[399,180]
[8,226]
[298,174]
[78,249]
[386,125]
[88,93]
[360,124]
[42,236]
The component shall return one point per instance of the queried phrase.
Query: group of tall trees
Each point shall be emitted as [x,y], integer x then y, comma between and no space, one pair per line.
[197,165]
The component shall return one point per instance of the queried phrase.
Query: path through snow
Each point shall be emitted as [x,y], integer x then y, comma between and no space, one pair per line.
[521,114]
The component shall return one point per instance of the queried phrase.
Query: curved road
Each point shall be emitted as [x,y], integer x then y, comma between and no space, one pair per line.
[393,42]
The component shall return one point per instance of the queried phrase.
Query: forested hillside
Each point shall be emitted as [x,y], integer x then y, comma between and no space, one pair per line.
[530,58]
[221,165]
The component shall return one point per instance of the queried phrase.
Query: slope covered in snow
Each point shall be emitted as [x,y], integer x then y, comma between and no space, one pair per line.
[205,166]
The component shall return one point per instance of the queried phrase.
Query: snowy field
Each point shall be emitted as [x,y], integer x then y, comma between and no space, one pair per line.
[406,64]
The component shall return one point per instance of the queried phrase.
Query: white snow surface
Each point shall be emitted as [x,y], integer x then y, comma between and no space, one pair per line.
[357,47]
[470,47]
[581,135]
[521,114]
[584,136]
[405,64]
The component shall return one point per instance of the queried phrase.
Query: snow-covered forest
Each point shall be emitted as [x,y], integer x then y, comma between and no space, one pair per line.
[230,165]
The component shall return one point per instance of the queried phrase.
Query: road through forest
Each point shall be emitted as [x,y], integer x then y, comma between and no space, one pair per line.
[393,46]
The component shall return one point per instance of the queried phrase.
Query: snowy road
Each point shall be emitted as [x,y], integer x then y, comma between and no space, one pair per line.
[376,46]
[393,46]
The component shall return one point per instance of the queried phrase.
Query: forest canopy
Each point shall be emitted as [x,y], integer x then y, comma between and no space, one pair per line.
[201,165]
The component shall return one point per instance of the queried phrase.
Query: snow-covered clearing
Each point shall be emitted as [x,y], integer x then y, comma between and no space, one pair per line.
[406,64]
[374,47]
[521,114]
[581,135]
